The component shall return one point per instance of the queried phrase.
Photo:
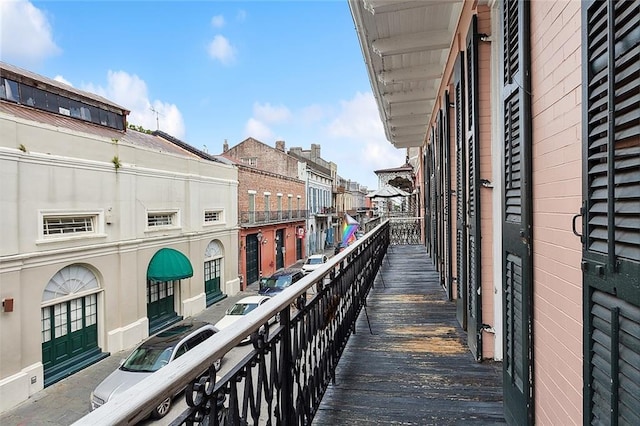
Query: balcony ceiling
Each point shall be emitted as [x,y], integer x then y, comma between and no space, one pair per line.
[405,45]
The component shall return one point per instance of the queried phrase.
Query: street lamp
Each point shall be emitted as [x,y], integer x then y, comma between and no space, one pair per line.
[259,237]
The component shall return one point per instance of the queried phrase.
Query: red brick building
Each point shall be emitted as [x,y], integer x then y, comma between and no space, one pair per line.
[271,209]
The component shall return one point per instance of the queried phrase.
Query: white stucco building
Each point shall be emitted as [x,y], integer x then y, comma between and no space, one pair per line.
[108,234]
[318,177]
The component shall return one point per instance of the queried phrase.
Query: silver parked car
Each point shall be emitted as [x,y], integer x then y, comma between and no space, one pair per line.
[150,356]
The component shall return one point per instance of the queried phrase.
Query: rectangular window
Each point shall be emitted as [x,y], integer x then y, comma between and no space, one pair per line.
[75,309]
[207,271]
[46,325]
[60,319]
[252,207]
[161,219]
[91,310]
[279,206]
[212,216]
[152,294]
[65,225]
[9,90]
[250,161]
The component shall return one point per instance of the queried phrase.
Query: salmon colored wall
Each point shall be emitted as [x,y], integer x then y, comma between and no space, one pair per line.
[485,151]
[557,181]
[268,250]
[486,208]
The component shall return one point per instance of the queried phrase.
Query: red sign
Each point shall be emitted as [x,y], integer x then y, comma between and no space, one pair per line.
[300,233]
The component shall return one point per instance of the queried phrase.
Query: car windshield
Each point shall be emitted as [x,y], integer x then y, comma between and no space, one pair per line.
[314,261]
[242,308]
[147,359]
[280,282]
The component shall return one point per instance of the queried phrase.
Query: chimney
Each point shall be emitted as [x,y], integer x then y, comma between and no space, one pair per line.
[315,151]
[280,145]
[225,146]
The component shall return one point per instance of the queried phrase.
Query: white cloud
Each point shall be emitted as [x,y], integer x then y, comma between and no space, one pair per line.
[258,130]
[221,50]
[61,79]
[312,114]
[25,33]
[130,91]
[271,114]
[241,15]
[217,21]
[358,118]
[359,131]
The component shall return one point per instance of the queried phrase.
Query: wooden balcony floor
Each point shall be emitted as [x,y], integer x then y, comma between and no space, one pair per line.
[414,367]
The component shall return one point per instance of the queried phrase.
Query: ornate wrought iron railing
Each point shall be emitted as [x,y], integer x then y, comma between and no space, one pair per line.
[248,218]
[405,230]
[283,377]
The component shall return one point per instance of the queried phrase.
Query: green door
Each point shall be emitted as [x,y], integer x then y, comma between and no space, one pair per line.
[280,248]
[212,281]
[252,267]
[69,337]
[160,304]
[611,212]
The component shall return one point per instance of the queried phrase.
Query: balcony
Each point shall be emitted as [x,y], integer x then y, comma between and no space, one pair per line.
[369,338]
[250,218]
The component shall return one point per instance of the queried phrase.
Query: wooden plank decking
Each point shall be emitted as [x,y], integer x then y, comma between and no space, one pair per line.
[413,367]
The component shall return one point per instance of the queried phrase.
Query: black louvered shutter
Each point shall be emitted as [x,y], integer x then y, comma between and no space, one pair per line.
[474,315]
[427,200]
[461,195]
[446,177]
[434,204]
[611,215]
[517,217]
[440,198]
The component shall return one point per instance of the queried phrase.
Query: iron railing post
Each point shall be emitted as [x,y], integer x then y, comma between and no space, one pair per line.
[286,368]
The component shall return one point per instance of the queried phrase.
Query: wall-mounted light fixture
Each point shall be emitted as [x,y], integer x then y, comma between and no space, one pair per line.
[485,38]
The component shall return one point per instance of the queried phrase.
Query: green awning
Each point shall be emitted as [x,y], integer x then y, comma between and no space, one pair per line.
[168,265]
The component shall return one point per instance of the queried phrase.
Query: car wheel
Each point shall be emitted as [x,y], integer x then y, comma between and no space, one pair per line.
[162,409]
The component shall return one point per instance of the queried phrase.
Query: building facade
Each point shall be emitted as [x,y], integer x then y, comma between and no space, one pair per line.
[272,209]
[108,234]
[317,173]
[526,115]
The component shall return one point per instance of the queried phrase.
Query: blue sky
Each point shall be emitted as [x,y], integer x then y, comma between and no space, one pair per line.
[215,70]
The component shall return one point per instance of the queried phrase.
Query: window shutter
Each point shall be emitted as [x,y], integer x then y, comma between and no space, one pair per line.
[517,215]
[611,222]
[461,195]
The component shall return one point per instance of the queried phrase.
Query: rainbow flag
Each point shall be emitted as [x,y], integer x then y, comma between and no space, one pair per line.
[349,228]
